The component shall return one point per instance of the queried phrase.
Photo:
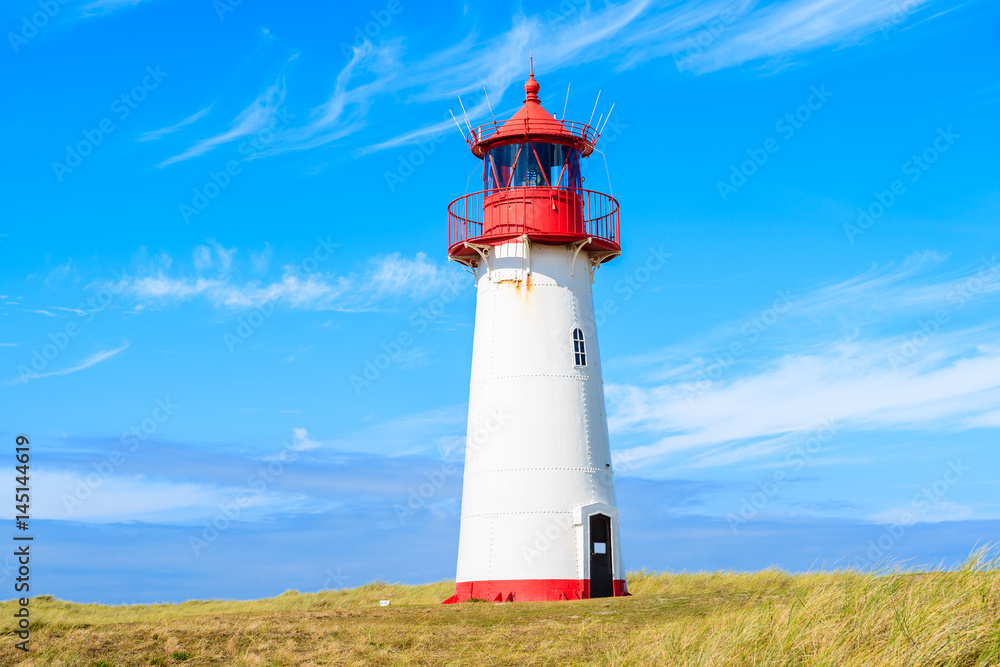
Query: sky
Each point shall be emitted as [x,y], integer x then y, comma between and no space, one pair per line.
[230,330]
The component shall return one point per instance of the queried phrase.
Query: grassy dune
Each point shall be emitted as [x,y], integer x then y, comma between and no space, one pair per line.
[765,618]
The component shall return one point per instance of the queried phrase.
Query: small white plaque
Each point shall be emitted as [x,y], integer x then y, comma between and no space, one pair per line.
[383,603]
[600,547]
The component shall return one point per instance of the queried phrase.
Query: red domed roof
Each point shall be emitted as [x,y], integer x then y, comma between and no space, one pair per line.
[532,122]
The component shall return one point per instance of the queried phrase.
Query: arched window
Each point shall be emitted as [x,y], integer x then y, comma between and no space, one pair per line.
[579,348]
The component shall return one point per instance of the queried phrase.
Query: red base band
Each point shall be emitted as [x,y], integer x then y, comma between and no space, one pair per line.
[528,590]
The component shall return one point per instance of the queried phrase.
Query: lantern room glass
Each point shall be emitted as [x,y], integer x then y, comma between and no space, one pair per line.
[532,164]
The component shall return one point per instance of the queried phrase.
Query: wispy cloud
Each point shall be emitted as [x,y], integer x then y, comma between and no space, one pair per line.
[345,110]
[92,360]
[102,7]
[142,498]
[702,37]
[749,31]
[213,255]
[498,63]
[632,32]
[193,118]
[302,442]
[388,279]
[941,373]
[257,116]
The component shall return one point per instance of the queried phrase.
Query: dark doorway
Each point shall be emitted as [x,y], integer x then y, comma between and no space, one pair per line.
[601,585]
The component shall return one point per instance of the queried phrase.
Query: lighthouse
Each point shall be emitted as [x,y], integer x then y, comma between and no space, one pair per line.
[539,519]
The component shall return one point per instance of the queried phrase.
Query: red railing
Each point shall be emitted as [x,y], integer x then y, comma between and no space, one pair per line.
[537,126]
[554,215]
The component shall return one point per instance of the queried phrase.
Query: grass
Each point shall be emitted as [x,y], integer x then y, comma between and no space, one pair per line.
[764,618]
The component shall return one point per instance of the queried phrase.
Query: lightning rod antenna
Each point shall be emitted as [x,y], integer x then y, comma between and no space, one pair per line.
[466,114]
[566,102]
[606,119]
[595,107]
[490,106]
[465,138]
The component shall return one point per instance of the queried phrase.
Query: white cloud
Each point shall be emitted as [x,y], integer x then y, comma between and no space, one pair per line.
[104,498]
[260,261]
[259,115]
[430,432]
[156,134]
[301,440]
[92,360]
[784,30]
[849,384]
[701,36]
[846,371]
[936,512]
[389,278]
[101,7]
[213,254]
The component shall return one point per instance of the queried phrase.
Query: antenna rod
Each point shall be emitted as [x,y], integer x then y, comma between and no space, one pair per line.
[490,106]
[566,102]
[465,138]
[606,119]
[598,123]
[595,107]
[467,124]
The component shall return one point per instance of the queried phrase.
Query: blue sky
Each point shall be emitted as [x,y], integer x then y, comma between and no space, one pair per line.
[218,214]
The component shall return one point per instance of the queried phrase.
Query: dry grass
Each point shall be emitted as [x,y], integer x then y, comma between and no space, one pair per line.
[765,618]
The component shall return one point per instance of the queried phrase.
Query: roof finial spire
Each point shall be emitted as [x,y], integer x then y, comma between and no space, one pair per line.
[531,86]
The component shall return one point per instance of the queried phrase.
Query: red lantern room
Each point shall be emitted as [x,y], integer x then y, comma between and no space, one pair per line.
[533,188]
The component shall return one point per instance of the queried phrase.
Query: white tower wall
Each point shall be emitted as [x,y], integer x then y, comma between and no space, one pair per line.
[537,460]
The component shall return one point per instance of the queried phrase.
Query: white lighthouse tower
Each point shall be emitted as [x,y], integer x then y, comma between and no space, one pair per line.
[539,519]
